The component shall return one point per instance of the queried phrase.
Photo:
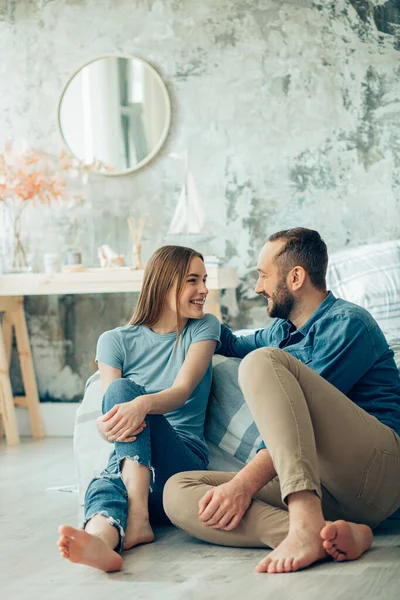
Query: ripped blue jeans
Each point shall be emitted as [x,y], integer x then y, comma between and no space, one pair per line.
[159,447]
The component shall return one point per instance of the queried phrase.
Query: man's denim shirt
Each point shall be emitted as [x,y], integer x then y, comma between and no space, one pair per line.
[343,343]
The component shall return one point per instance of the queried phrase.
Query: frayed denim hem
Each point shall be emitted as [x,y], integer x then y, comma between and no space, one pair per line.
[114,522]
[138,461]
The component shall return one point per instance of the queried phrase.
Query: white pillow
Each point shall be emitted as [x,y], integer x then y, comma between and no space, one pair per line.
[369,276]
[91,451]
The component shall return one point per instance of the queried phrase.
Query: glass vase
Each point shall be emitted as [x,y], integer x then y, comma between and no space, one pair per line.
[14,259]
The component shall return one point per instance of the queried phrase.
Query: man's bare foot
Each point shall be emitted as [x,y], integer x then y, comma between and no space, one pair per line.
[86,549]
[298,550]
[138,531]
[346,541]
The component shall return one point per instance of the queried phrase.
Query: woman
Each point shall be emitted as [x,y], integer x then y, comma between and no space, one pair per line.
[156,378]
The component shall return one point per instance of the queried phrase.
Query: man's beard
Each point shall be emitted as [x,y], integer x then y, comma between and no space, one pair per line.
[283,302]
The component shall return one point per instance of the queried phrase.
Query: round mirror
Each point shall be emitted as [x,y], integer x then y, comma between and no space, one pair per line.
[114,114]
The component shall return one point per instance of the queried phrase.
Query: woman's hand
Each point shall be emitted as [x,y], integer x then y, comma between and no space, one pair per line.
[124,421]
[101,425]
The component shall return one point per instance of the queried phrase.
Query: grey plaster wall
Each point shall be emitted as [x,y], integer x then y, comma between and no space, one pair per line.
[290,111]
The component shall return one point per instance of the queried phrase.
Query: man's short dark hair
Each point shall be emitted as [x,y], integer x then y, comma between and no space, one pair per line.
[304,248]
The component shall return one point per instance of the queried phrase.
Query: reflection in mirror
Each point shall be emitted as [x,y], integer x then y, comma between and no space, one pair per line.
[115,113]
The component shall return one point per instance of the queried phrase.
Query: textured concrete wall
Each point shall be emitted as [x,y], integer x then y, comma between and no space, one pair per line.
[289,109]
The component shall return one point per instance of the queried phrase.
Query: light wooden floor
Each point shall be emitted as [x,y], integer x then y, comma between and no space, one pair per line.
[175,567]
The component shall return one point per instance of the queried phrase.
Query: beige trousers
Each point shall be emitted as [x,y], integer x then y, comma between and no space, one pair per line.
[318,440]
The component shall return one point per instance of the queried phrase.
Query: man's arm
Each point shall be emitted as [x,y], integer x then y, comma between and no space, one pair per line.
[344,350]
[240,346]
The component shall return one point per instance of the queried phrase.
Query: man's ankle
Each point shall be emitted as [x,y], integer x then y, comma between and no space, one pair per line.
[305,510]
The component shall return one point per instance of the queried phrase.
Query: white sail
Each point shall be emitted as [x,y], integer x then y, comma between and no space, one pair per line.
[189,216]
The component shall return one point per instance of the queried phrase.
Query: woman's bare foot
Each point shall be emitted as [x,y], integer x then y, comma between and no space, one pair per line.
[86,549]
[138,531]
[346,541]
[298,550]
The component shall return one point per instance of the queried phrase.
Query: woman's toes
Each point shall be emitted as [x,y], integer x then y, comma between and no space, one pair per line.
[63,551]
[63,541]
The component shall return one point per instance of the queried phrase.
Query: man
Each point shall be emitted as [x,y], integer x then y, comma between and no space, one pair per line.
[324,391]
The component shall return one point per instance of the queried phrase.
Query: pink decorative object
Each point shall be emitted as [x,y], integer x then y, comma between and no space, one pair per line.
[28,177]
[32,177]
[109,258]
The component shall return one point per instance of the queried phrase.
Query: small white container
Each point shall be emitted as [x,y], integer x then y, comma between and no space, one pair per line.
[51,262]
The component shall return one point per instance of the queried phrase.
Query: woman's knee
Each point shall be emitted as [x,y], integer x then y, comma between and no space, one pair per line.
[119,391]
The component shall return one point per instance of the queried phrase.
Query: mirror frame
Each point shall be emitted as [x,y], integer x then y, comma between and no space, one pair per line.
[164,133]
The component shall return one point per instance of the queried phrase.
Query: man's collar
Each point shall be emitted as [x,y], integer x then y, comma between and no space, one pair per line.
[317,314]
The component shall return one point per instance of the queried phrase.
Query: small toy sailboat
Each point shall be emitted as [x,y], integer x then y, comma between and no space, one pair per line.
[189,216]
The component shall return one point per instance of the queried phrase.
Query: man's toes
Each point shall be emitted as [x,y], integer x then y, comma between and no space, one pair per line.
[272,566]
[341,556]
[296,565]
[329,532]
[262,566]
[328,546]
[288,565]
[331,549]
[280,565]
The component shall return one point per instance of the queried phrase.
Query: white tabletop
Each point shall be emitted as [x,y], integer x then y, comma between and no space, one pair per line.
[97,281]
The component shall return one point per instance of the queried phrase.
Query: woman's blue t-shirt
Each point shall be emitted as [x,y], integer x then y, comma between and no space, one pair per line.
[152,360]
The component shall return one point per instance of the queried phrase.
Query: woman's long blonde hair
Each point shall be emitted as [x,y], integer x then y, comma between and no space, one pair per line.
[166,265]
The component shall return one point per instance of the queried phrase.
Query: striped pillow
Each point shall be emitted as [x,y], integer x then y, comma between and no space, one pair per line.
[369,276]
[229,424]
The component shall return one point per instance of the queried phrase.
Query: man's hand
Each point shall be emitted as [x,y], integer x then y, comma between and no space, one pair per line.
[124,421]
[223,506]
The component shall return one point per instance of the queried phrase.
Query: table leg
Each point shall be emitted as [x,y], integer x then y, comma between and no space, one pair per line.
[7,333]
[27,370]
[8,416]
[7,336]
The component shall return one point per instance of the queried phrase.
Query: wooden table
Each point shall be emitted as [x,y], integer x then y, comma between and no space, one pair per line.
[13,287]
